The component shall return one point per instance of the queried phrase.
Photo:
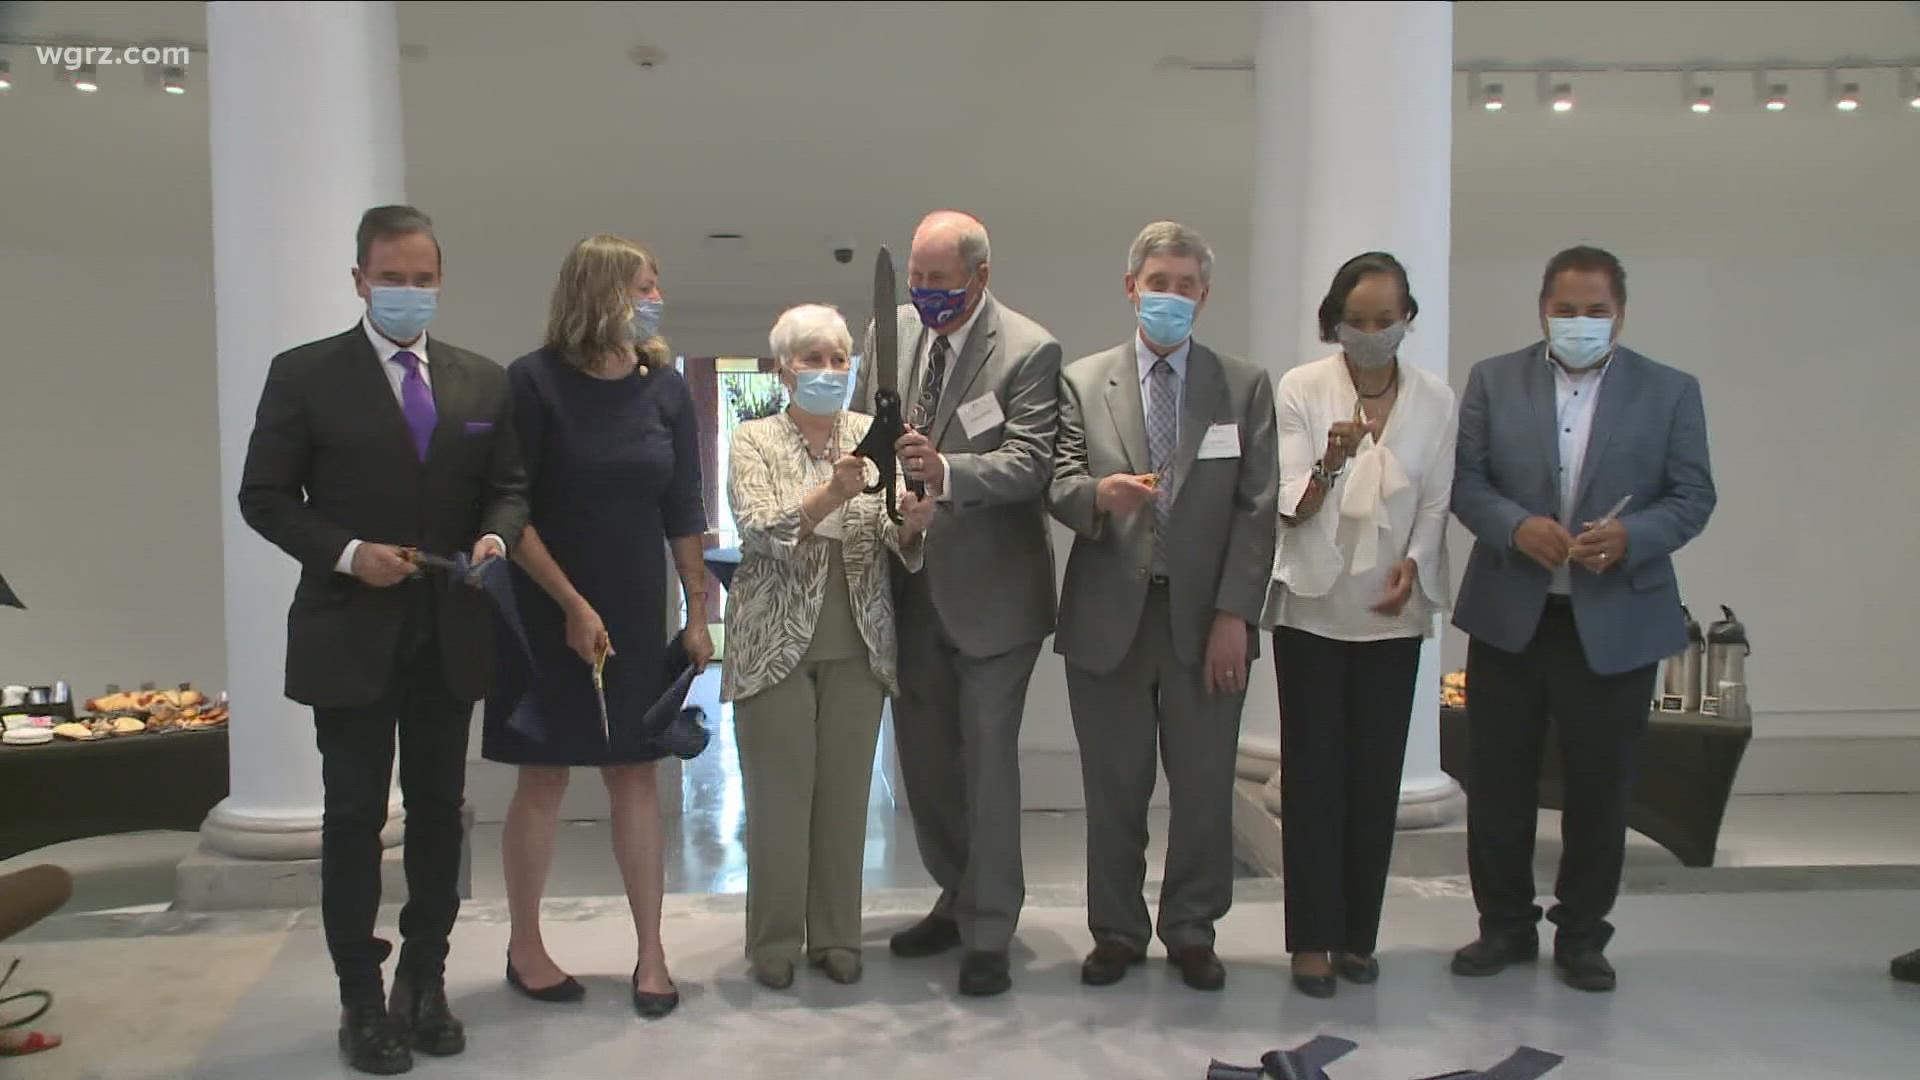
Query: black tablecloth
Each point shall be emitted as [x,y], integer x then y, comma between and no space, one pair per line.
[1686,768]
[64,790]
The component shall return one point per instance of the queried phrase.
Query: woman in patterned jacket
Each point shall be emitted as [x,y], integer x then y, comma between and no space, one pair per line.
[810,651]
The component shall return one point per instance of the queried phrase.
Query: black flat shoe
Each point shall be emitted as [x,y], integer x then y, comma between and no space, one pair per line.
[1358,970]
[1316,986]
[653,1006]
[560,993]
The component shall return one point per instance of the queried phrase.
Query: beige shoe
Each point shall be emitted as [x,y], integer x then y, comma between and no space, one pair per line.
[773,974]
[841,965]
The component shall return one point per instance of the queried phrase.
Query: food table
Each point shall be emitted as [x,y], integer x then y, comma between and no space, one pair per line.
[65,790]
[1683,779]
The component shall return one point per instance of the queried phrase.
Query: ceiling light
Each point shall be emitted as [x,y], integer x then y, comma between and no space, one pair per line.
[1845,96]
[1909,86]
[174,81]
[6,75]
[1489,96]
[1563,97]
[1703,100]
[1777,97]
[86,79]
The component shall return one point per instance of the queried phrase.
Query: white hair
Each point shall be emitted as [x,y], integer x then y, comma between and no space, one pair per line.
[1170,238]
[805,327]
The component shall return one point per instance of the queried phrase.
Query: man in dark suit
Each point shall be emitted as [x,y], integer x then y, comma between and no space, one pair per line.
[1581,468]
[366,444]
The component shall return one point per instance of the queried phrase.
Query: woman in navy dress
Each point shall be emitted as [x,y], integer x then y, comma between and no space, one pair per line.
[609,435]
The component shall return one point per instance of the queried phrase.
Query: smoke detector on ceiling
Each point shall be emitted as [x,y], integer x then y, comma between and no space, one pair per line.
[647,56]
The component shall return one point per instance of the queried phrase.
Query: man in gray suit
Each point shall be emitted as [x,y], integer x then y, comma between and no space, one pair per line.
[1582,467]
[1166,467]
[980,381]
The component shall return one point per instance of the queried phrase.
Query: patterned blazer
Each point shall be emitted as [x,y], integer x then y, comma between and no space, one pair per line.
[774,603]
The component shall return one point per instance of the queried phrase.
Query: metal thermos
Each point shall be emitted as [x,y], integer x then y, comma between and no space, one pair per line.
[1680,685]
[1727,649]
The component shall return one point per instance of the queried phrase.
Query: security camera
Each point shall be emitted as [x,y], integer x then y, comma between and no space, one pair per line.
[843,252]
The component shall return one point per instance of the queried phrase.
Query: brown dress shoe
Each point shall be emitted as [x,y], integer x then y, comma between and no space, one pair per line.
[1200,967]
[1108,963]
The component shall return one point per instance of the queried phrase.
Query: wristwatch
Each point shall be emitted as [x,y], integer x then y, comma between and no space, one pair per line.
[1321,474]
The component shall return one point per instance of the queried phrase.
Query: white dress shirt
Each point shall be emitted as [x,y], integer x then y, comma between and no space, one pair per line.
[1574,396]
[1177,359]
[1327,574]
[396,374]
[923,365]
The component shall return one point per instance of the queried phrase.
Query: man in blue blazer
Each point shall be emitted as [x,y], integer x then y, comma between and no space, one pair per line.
[1582,467]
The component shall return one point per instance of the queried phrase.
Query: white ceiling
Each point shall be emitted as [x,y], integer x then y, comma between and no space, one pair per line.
[801,124]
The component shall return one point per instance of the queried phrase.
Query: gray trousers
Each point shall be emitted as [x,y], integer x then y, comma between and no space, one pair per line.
[957,719]
[1118,717]
[806,763]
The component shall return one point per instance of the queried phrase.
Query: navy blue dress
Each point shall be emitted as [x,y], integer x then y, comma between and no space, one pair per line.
[614,469]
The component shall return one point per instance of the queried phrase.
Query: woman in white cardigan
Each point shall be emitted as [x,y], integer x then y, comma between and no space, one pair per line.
[810,651]
[1366,471]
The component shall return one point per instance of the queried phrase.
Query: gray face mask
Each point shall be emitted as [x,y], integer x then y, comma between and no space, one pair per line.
[1372,351]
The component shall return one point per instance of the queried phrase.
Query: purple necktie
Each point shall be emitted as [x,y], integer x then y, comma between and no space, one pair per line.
[416,402]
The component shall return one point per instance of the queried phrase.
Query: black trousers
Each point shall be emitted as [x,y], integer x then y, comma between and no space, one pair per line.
[1344,711]
[1600,719]
[357,749]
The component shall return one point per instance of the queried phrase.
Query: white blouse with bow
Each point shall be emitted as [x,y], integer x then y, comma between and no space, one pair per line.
[1389,503]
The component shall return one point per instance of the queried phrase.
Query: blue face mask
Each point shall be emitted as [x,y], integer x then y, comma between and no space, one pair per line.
[646,319]
[821,393]
[1580,341]
[938,307]
[400,311]
[1166,318]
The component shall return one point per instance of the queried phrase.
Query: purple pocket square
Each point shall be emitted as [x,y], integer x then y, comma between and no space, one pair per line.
[477,427]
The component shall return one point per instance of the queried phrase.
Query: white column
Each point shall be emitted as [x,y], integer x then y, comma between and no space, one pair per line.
[304,104]
[1354,118]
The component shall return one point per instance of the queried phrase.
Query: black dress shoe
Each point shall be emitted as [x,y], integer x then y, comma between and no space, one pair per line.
[560,993]
[420,1011]
[1585,968]
[371,1041]
[1199,967]
[1907,968]
[1490,954]
[985,974]
[930,936]
[653,1006]
[1108,963]
[1358,970]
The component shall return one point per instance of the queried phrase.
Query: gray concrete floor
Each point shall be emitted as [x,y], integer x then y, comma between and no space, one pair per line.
[1712,988]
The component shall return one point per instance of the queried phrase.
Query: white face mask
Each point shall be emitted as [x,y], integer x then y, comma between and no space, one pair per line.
[1371,351]
[1580,341]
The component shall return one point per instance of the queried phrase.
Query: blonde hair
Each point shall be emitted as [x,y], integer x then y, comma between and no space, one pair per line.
[589,314]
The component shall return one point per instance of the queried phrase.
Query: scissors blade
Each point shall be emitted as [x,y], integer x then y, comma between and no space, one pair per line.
[600,694]
[886,326]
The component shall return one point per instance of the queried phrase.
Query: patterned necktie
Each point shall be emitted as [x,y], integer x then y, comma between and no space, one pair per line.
[1163,431]
[929,401]
[416,402]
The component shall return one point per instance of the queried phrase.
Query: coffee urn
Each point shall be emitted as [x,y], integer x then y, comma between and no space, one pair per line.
[1680,685]
[1725,693]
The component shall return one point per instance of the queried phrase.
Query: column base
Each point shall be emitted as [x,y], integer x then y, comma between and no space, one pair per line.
[1430,804]
[215,879]
[235,832]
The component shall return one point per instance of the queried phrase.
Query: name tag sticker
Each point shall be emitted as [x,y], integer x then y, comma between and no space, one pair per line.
[1222,441]
[983,414]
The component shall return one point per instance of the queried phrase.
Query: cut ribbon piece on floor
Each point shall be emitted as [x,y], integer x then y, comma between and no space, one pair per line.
[1308,1061]
[1525,1063]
